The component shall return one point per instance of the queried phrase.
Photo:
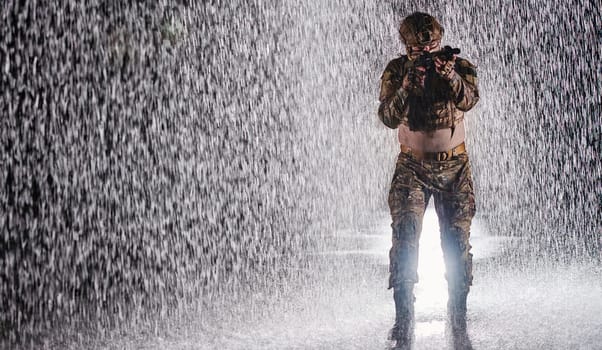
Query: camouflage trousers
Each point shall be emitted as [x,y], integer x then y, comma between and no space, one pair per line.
[450,183]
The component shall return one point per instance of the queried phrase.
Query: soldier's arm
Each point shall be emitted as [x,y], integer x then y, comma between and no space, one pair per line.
[392,98]
[464,85]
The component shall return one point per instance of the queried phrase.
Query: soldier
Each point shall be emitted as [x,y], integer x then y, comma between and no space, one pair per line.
[425,94]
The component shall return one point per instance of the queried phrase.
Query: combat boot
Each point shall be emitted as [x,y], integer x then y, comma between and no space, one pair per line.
[457,316]
[402,331]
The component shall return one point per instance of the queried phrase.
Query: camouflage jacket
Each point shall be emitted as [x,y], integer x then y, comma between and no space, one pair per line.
[441,106]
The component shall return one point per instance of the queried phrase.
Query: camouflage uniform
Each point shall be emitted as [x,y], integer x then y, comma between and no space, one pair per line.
[442,107]
[450,183]
[448,180]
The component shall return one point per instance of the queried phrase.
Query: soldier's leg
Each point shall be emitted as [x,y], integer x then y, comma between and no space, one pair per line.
[407,201]
[455,210]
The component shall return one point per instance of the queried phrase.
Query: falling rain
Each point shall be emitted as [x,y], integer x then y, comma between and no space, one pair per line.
[213,175]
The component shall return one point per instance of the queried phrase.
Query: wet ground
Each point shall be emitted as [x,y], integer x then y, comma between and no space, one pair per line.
[343,303]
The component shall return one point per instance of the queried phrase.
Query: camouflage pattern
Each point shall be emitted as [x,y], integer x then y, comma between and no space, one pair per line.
[450,183]
[443,107]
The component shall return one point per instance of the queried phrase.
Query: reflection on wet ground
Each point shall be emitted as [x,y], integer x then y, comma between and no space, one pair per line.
[343,303]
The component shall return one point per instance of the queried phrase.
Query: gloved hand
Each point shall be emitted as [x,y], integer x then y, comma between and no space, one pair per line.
[445,68]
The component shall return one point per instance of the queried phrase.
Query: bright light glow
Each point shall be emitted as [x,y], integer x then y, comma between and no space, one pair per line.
[430,328]
[431,291]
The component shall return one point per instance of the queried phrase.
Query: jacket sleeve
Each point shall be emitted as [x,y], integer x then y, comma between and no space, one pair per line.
[464,85]
[392,98]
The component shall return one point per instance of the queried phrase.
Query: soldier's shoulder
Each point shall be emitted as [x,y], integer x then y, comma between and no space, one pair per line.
[465,67]
[397,63]
[463,62]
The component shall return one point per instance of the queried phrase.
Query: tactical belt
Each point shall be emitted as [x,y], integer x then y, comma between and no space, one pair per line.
[438,156]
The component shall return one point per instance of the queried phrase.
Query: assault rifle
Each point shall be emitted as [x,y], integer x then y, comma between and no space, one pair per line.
[427,59]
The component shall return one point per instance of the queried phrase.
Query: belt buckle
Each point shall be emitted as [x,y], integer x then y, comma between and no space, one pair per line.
[441,156]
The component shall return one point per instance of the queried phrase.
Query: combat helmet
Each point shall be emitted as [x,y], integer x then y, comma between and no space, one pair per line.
[420,29]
